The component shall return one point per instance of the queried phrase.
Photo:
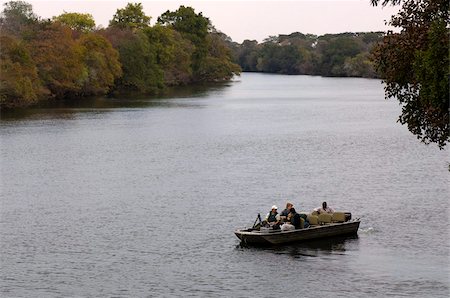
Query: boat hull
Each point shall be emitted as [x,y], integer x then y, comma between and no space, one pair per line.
[250,237]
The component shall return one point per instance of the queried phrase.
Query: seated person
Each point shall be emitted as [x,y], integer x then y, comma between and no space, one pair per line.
[286,211]
[272,218]
[295,219]
[324,209]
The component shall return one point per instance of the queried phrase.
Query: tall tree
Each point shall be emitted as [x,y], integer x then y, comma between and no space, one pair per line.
[334,51]
[83,22]
[59,60]
[217,66]
[19,81]
[173,54]
[132,16]
[194,27]
[101,62]
[18,18]
[141,72]
[414,64]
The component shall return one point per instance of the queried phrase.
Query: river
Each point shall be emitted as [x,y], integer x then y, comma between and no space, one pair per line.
[113,197]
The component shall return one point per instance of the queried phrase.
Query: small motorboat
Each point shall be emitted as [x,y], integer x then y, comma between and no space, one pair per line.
[321,226]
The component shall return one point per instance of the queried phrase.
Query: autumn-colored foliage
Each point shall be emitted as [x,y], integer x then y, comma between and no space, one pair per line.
[101,62]
[59,60]
[19,80]
[67,57]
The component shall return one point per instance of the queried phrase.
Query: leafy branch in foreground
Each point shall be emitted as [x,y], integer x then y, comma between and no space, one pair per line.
[414,65]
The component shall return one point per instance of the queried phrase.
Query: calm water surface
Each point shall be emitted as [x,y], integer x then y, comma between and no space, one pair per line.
[139,198]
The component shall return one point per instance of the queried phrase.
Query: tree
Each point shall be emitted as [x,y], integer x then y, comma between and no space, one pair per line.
[19,81]
[184,20]
[141,72]
[194,27]
[334,51]
[217,66]
[248,55]
[17,18]
[173,54]
[59,60]
[83,22]
[414,65]
[102,63]
[132,16]
[359,66]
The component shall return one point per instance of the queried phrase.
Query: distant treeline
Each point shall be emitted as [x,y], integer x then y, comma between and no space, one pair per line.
[341,55]
[68,56]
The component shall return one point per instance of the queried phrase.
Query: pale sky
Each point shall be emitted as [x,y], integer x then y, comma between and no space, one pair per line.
[246,19]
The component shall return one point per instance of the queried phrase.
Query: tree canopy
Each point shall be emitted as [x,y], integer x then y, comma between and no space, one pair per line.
[77,21]
[414,64]
[132,16]
[209,60]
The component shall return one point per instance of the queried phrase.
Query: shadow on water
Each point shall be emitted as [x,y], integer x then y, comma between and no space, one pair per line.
[311,248]
[184,96]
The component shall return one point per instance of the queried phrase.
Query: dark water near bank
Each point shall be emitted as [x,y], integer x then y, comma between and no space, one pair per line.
[139,198]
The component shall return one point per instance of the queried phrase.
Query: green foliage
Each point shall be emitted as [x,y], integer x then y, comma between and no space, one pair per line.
[247,55]
[345,54]
[210,60]
[415,67]
[334,52]
[141,71]
[132,16]
[19,81]
[17,18]
[83,22]
[101,61]
[217,66]
[214,69]
[279,59]
[359,66]
[193,27]
[173,54]
[18,11]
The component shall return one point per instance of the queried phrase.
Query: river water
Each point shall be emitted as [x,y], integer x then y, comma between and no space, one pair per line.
[140,197]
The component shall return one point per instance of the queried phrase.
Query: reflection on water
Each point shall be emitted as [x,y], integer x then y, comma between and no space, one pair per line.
[173,97]
[312,248]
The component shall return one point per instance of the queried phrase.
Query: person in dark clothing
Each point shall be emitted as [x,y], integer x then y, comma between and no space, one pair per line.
[294,218]
[286,211]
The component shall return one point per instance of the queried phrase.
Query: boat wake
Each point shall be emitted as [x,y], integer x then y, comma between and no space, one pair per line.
[369,230]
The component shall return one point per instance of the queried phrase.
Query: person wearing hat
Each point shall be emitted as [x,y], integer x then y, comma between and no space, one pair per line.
[273,218]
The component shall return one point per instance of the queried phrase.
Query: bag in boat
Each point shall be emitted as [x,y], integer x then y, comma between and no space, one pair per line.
[287,227]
